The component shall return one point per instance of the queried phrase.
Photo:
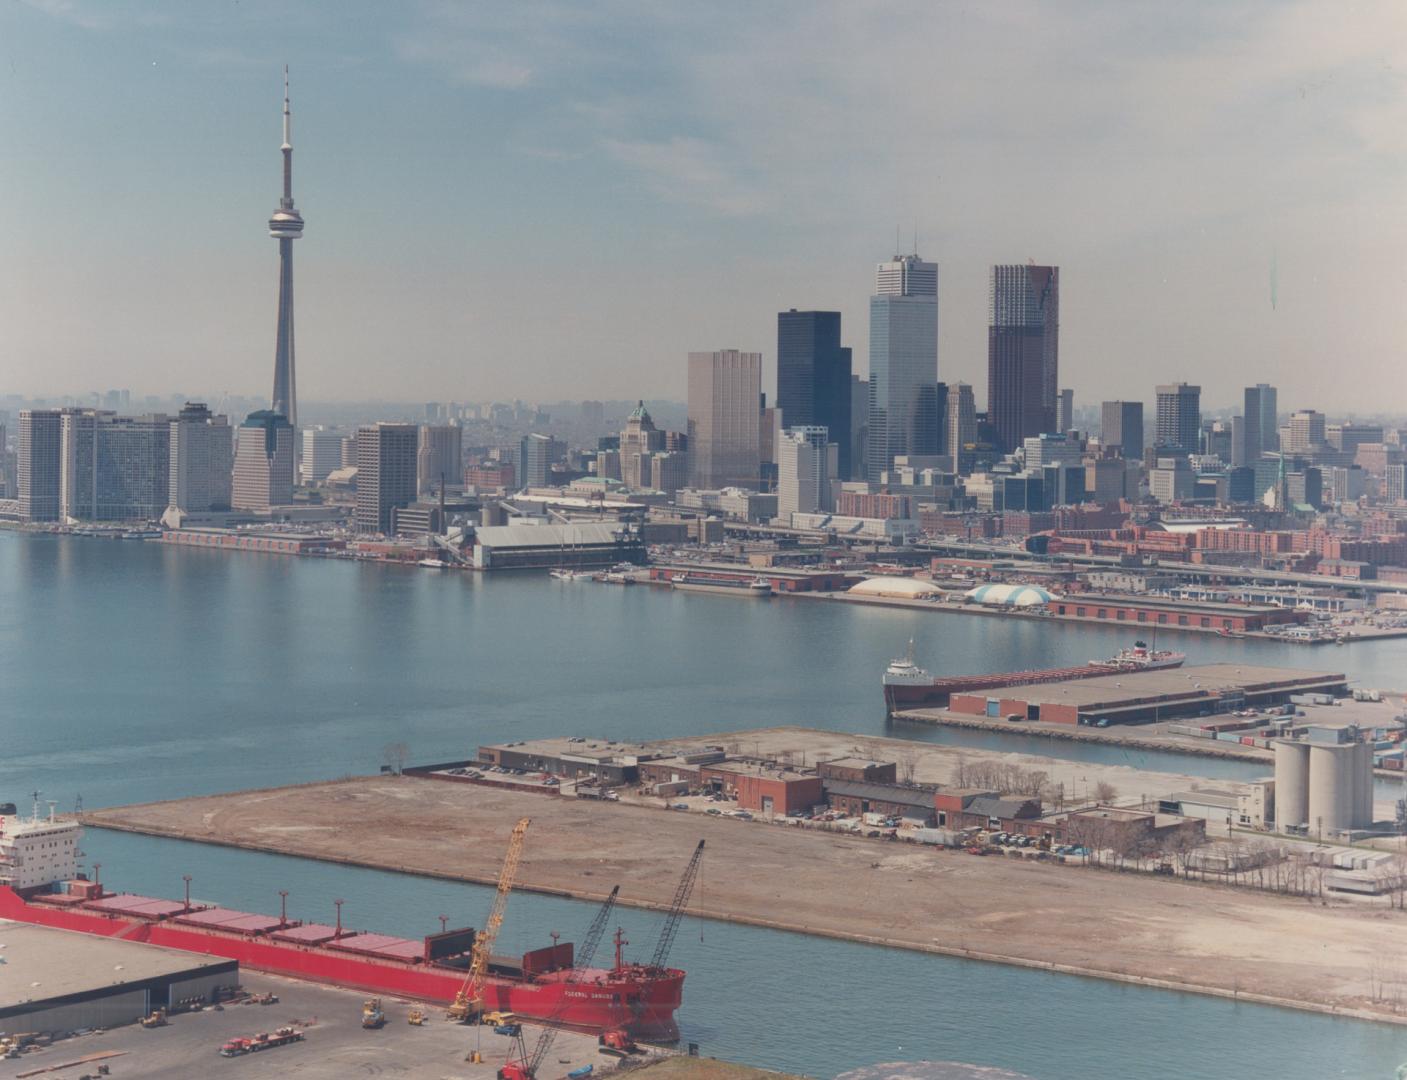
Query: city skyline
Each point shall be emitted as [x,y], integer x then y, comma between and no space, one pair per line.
[457,116]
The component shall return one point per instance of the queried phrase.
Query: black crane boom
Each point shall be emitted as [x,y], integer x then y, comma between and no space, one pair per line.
[670,929]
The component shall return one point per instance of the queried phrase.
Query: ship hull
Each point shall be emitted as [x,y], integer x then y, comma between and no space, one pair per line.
[722,590]
[598,1000]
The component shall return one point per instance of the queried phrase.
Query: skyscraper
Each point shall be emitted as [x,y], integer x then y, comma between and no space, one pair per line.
[1121,427]
[386,462]
[903,361]
[439,457]
[285,226]
[1023,351]
[1179,418]
[638,442]
[961,426]
[37,465]
[114,468]
[813,376]
[1065,411]
[1306,432]
[322,454]
[803,472]
[202,460]
[263,465]
[725,418]
[536,456]
[1262,419]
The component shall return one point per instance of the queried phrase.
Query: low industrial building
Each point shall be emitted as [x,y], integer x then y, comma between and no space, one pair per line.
[1164,694]
[863,770]
[1188,614]
[1126,829]
[57,981]
[538,547]
[783,579]
[961,808]
[913,803]
[611,763]
[239,540]
[764,789]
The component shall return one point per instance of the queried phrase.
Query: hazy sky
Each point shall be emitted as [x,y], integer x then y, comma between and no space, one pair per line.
[547,200]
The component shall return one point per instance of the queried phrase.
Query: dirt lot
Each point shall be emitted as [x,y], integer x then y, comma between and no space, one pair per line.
[1071,918]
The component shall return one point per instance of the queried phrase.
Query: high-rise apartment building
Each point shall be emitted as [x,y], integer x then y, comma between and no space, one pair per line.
[440,457]
[322,454]
[903,362]
[1307,432]
[638,442]
[1179,419]
[263,464]
[1121,427]
[1261,422]
[803,471]
[386,474]
[285,226]
[1023,351]
[202,460]
[114,468]
[961,426]
[813,376]
[38,468]
[725,418]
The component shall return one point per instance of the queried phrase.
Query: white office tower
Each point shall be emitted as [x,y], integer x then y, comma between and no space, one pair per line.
[903,363]
[725,419]
[322,454]
[804,469]
[202,460]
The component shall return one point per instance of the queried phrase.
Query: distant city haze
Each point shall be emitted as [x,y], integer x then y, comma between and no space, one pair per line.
[535,202]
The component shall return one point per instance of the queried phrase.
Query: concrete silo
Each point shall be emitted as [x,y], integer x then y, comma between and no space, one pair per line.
[1363,786]
[1332,799]
[1291,784]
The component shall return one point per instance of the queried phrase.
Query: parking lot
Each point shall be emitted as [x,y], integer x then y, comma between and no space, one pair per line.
[334,1044]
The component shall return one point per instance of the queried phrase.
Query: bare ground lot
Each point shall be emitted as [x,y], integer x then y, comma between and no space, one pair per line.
[1124,926]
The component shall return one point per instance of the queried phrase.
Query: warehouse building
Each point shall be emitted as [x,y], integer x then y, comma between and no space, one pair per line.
[611,763]
[58,981]
[908,803]
[862,770]
[528,547]
[763,789]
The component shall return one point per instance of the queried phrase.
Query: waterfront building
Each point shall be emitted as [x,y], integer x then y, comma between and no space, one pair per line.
[322,454]
[1121,427]
[536,456]
[263,464]
[1179,419]
[903,362]
[1023,351]
[1261,422]
[725,416]
[439,457]
[202,460]
[638,443]
[386,474]
[814,377]
[285,226]
[113,468]
[804,456]
[37,466]
[1065,411]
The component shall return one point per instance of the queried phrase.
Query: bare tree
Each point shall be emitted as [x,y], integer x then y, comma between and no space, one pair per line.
[908,763]
[395,755]
[1105,792]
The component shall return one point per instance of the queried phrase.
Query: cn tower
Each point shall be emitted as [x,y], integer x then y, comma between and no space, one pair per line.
[286,226]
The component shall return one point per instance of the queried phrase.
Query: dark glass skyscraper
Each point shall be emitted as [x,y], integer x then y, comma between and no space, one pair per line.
[1261,425]
[1023,352]
[813,376]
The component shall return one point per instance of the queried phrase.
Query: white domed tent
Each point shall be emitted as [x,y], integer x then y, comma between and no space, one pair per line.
[901,587]
[1009,595]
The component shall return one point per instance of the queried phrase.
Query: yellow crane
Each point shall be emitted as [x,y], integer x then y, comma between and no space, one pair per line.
[468,1002]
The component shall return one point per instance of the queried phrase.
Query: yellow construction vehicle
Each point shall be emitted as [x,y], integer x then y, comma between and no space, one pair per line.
[155,1020]
[415,1018]
[468,1002]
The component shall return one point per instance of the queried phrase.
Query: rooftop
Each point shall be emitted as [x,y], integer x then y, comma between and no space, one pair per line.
[560,746]
[511,536]
[41,963]
[891,793]
[1163,683]
[755,768]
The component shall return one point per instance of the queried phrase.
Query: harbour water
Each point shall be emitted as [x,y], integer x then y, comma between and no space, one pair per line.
[135,671]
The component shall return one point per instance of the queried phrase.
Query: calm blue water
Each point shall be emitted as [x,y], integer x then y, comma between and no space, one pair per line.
[131,672]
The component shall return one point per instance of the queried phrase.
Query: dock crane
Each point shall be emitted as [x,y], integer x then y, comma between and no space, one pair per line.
[468,1001]
[520,1064]
[670,930]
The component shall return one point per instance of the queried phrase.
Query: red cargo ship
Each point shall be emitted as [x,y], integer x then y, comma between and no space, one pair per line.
[631,997]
